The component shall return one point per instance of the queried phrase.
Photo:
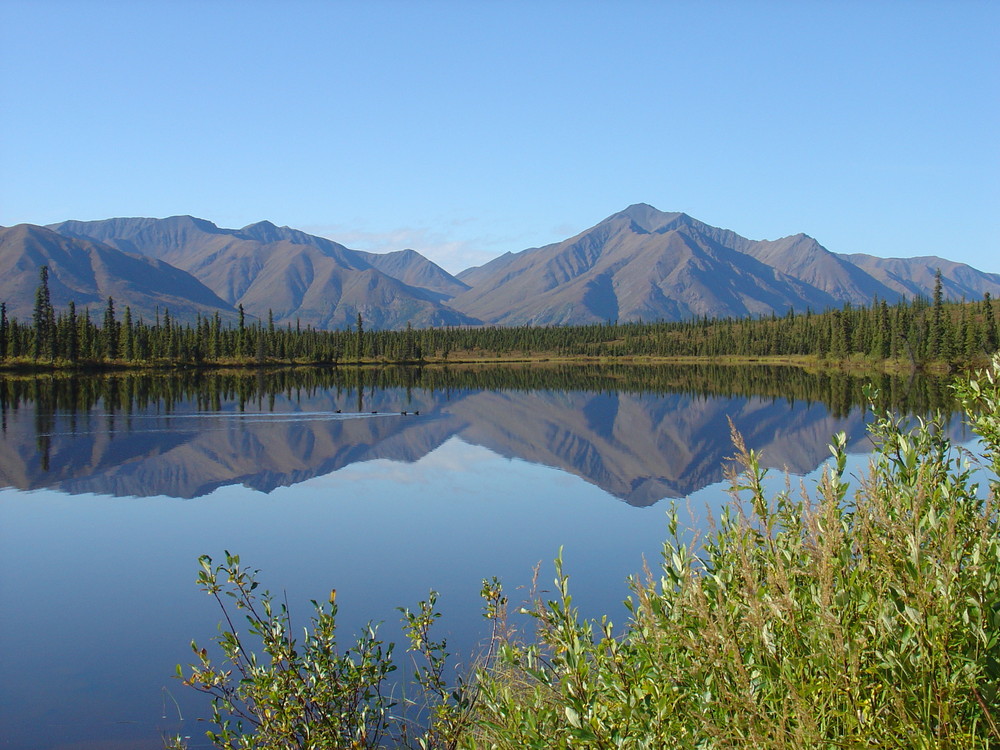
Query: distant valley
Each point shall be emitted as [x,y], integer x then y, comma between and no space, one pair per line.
[639,263]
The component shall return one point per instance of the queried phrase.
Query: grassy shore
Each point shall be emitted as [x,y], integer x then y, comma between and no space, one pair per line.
[854,364]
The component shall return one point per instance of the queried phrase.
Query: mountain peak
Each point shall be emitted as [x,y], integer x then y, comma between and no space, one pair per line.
[265,224]
[268,232]
[264,231]
[185,221]
[648,218]
[640,207]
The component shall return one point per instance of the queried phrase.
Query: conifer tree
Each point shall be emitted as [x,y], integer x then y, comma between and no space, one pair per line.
[969,338]
[359,347]
[935,338]
[86,335]
[110,331]
[72,344]
[215,345]
[44,318]
[990,324]
[883,333]
[3,330]
[126,344]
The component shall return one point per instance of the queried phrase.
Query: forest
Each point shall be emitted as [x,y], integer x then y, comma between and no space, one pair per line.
[915,332]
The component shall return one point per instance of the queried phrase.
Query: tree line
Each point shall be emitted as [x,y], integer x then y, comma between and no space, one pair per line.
[918,331]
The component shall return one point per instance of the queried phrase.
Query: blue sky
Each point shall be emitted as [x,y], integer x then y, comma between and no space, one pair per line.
[468,129]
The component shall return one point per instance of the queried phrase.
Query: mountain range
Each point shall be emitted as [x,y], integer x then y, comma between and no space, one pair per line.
[294,276]
[639,263]
[646,264]
[88,272]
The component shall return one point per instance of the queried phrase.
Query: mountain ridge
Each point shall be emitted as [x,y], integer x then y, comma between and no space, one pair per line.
[296,277]
[638,263]
[88,273]
[642,263]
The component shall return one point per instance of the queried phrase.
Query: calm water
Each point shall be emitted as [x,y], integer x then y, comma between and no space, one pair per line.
[113,487]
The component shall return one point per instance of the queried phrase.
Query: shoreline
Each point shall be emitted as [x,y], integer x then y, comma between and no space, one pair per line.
[812,363]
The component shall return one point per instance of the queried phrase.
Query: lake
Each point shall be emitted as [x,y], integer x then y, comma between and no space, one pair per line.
[112,487]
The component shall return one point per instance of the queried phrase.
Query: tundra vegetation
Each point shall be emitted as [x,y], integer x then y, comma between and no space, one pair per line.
[860,612]
[917,333]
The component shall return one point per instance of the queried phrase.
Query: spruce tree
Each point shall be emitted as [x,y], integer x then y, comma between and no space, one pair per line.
[935,339]
[110,331]
[126,343]
[72,344]
[883,331]
[43,318]
[86,335]
[990,324]
[359,347]
[3,330]
[215,345]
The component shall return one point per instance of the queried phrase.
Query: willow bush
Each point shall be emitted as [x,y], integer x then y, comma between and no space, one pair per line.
[819,619]
[828,617]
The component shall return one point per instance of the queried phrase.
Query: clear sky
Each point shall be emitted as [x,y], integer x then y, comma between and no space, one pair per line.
[468,129]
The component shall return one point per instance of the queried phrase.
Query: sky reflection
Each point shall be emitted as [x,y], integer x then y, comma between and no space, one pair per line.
[106,513]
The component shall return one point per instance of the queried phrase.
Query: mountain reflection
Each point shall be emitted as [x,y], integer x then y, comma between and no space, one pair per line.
[640,433]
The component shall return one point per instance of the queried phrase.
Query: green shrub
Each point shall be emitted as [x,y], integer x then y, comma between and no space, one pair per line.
[808,620]
[307,695]
[274,692]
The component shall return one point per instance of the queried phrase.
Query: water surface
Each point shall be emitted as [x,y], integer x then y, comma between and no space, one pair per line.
[381,483]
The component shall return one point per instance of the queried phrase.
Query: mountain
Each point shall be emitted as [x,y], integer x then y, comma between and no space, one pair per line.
[407,266]
[636,264]
[414,269]
[642,263]
[298,277]
[88,272]
[803,258]
[474,276]
[913,276]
